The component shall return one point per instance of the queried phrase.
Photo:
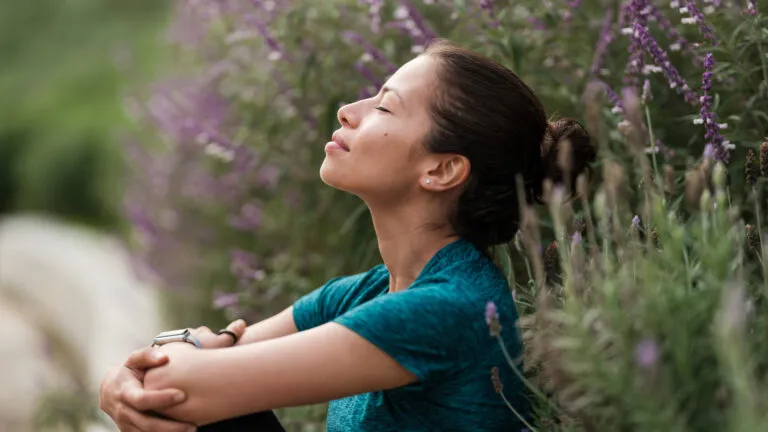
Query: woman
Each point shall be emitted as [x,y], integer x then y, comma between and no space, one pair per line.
[404,346]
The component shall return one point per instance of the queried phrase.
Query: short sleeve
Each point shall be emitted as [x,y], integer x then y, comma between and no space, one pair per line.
[332,299]
[430,330]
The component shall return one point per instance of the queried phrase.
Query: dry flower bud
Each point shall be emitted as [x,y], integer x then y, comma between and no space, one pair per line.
[551,259]
[751,170]
[496,380]
[669,180]
[753,238]
[694,186]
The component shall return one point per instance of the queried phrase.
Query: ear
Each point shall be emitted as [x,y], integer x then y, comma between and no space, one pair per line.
[445,171]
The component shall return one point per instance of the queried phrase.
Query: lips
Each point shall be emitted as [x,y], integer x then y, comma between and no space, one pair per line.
[340,141]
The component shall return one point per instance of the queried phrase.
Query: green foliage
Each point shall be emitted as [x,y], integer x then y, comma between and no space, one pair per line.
[652,325]
[66,66]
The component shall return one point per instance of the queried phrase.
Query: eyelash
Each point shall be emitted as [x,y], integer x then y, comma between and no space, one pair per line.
[382,109]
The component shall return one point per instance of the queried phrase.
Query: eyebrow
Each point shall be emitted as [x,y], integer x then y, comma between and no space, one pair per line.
[386,89]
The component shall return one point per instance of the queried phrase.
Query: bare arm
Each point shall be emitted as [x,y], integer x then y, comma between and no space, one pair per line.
[317,365]
[276,326]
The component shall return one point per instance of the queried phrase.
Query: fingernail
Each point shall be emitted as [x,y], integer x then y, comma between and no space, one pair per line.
[179,397]
[158,355]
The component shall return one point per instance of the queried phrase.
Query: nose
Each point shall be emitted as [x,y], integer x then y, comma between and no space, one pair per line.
[347,116]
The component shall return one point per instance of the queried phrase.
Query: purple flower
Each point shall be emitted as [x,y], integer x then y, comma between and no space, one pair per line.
[248,219]
[678,41]
[635,12]
[716,147]
[487,5]
[224,300]
[647,353]
[571,7]
[605,40]
[277,51]
[370,50]
[536,23]
[576,239]
[636,222]
[490,312]
[244,265]
[696,17]
[646,95]
[492,319]
[661,59]
[613,98]
[751,7]
[409,21]
[268,176]
[368,74]
[374,13]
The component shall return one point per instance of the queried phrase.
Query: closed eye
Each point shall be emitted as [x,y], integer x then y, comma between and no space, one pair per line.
[382,109]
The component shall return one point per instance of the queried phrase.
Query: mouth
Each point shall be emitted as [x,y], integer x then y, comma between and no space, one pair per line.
[336,138]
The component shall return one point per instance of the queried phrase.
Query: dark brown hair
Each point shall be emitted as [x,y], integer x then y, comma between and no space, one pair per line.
[483,111]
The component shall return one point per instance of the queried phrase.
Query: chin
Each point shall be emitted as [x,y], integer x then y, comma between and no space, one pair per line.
[332,177]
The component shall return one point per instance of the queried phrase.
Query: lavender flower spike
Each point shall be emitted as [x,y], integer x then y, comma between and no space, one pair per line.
[606,38]
[679,42]
[490,312]
[632,10]
[375,53]
[751,7]
[697,17]
[646,353]
[661,59]
[487,5]
[716,146]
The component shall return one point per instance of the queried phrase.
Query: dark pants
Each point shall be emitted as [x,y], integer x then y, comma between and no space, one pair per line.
[265,421]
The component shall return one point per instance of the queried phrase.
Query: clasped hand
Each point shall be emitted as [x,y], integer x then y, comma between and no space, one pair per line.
[123,397]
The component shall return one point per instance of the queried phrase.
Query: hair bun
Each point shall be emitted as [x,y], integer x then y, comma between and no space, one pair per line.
[566,151]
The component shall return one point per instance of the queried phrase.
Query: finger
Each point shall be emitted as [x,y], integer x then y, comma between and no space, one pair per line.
[152,400]
[145,423]
[237,327]
[146,358]
[225,339]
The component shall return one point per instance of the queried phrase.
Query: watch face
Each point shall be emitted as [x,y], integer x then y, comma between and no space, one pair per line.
[172,334]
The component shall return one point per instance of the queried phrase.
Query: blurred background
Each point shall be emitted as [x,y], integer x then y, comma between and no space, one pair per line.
[158,169]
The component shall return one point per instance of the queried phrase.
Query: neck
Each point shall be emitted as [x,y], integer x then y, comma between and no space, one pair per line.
[407,241]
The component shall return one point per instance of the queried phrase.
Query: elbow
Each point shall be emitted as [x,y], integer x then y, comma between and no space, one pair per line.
[190,410]
[174,375]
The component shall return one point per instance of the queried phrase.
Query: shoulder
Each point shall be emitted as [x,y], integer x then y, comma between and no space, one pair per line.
[361,283]
[478,279]
[337,296]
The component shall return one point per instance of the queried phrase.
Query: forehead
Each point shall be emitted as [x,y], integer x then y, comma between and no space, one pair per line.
[415,79]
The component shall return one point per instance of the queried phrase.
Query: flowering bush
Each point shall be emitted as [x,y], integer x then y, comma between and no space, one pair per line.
[642,313]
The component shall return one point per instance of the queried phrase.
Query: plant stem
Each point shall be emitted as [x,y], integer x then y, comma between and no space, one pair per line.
[512,408]
[520,375]
[653,146]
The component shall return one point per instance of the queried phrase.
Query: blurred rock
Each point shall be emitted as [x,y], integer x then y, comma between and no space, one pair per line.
[70,308]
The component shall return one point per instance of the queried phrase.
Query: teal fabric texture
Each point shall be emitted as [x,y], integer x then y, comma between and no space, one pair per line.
[437,329]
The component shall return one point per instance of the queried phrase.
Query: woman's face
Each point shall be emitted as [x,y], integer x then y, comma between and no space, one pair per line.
[378,153]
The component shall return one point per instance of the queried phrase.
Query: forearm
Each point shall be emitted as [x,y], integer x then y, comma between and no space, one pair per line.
[325,363]
[276,326]
[225,383]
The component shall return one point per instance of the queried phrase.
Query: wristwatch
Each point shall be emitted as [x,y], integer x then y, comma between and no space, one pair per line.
[181,335]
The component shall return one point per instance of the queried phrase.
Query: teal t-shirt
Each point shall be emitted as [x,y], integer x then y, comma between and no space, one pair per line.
[436,329]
